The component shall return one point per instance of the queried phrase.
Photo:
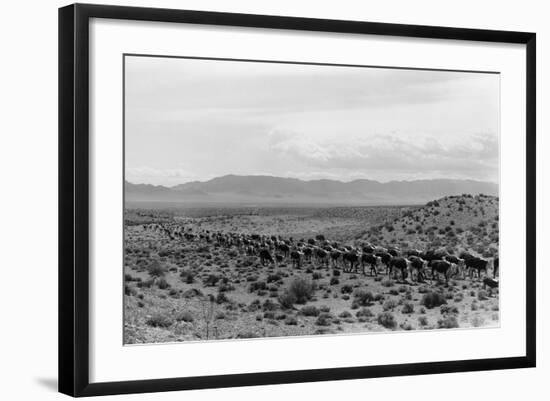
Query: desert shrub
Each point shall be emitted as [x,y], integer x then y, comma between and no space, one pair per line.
[379,297]
[247,334]
[448,309]
[390,304]
[156,270]
[310,311]
[159,320]
[423,320]
[334,281]
[407,308]
[432,299]
[223,287]
[474,306]
[336,273]
[273,278]
[482,295]
[129,290]
[163,284]
[254,306]
[449,322]
[146,284]
[287,300]
[221,298]
[477,321]
[192,292]
[402,288]
[269,305]
[269,315]
[346,289]
[345,314]
[187,276]
[291,321]
[256,286]
[211,280]
[316,276]
[364,312]
[302,289]
[388,283]
[324,308]
[387,320]
[362,298]
[393,291]
[324,319]
[185,316]
[280,316]
[406,326]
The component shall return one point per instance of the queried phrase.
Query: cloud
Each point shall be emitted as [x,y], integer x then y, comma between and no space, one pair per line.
[471,156]
[157,175]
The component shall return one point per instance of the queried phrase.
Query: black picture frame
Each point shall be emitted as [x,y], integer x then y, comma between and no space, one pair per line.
[74,198]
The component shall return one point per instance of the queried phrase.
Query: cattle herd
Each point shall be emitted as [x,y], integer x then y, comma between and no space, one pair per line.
[412,264]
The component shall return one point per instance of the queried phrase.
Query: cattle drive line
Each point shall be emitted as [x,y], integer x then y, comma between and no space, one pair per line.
[275,249]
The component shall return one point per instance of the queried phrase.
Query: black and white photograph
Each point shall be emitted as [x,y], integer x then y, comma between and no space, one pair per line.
[272,199]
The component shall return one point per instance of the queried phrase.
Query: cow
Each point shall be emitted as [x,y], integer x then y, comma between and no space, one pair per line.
[296,257]
[371,260]
[394,252]
[413,252]
[432,254]
[265,256]
[335,256]
[322,256]
[352,258]
[284,248]
[385,257]
[476,265]
[399,263]
[458,262]
[368,248]
[418,264]
[489,282]
[440,266]
[307,253]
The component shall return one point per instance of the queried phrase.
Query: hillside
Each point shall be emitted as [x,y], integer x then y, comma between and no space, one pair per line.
[277,190]
[463,222]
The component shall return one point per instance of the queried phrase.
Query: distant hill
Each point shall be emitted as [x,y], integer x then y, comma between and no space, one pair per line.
[278,190]
[463,222]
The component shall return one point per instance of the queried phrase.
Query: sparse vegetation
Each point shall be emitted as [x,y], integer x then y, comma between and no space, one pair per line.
[206,284]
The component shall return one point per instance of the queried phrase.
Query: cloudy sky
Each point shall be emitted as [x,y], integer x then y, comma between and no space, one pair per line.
[192,120]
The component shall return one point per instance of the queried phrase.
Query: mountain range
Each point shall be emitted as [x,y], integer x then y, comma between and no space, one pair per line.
[260,189]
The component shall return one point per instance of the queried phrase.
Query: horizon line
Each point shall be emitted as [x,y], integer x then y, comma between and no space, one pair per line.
[310,180]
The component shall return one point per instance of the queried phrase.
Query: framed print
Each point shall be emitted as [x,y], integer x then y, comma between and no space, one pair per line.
[295,199]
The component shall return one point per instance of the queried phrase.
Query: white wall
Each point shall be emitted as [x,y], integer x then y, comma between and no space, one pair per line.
[28,161]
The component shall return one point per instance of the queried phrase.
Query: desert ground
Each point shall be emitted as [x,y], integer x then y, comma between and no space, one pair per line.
[198,273]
